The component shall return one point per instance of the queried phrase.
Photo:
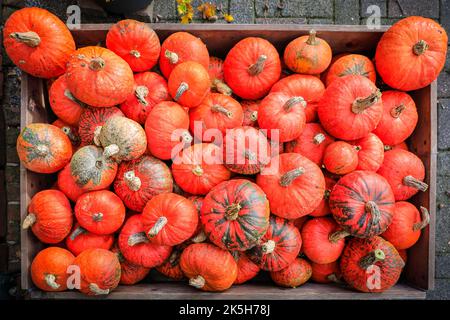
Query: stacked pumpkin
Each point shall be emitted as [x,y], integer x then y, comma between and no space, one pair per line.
[210,170]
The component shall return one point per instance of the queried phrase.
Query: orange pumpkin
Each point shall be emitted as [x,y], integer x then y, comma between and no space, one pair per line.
[351,64]
[294,275]
[80,239]
[215,70]
[66,183]
[250,109]
[340,157]
[130,273]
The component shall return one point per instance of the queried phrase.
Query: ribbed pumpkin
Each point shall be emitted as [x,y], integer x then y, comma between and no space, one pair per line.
[135,246]
[235,214]
[405,173]
[247,269]
[130,273]
[166,119]
[351,107]
[215,70]
[171,267]
[371,265]
[49,216]
[139,180]
[66,183]
[311,143]
[411,53]
[43,148]
[49,269]
[293,184]
[208,268]
[340,157]
[323,208]
[370,152]
[325,273]
[92,168]
[279,247]
[80,239]
[199,168]
[406,226]
[91,121]
[351,64]
[180,47]
[38,42]
[100,212]
[135,42]
[250,109]
[169,219]
[399,117]
[70,131]
[294,275]
[100,271]
[362,203]
[251,68]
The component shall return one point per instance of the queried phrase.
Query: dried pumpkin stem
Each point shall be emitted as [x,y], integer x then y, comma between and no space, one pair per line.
[258,66]
[319,138]
[338,235]
[72,137]
[75,233]
[135,53]
[198,171]
[199,237]
[412,182]
[222,110]
[254,116]
[387,148]
[293,101]
[222,87]
[171,56]
[97,290]
[333,278]
[372,208]
[371,258]
[268,247]
[29,38]
[137,238]
[157,227]
[197,282]
[42,150]
[425,220]
[397,110]
[29,220]
[174,258]
[132,181]
[97,64]
[97,217]
[361,104]
[141,93]
[50,280]
[290,176]
[181,89]
[420,47]
[232,211]
[96,138]
[312,41]
[111,150]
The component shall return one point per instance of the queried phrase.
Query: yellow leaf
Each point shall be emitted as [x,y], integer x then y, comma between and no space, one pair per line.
[228,17]
[208,11]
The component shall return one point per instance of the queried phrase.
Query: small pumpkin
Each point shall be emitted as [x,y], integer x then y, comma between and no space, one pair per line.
[247,269]
[308,54]
[370,151]
[340,157]
[235,215]
[171,267]
[66,183]
[406,226]
[80,239]
[323,208]
[100,271]
[49,216]
[251,68]
[326,273]
[405,173]
[101,212]
[139,180]
[250,109]
[208,268]
[294,275]
[91,121]
[43,148]
[134,42]
[351,64]
[279,247]
[70,131]
[38,42]
[49,269]
[130,273]
[199,234]
[99,77]
[189,84]
[401,145]
[215,70]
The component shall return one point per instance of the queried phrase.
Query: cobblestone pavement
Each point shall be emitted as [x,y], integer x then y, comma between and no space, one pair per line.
[244,11]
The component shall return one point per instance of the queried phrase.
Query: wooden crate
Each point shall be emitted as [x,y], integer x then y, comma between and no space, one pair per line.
[419,273]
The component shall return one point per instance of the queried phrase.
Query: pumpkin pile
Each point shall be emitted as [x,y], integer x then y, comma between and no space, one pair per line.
[320,172]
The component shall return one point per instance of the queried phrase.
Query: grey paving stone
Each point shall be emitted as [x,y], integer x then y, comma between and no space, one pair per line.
[11,96]
[443,121]
[281,20]
[320,21]
[428,8]
[443,164]
[443,215]
[382,4]
[444,84]
[346,11]
[443,265]
[296,8]
[445,15]
[167,9]
[441,290]
[242,11]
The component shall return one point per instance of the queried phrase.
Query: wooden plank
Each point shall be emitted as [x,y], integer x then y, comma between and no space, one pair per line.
[3,206]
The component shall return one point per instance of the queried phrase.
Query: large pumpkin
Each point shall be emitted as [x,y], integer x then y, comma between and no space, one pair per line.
[139,180]
[293,184]
[340,157]
[38,42]
[351,64]
[208,268]
[323,209]
[66,183]
[171,267]
[49,269]
[80,239]
[411,53]
[43,148]
[215,70]
[370,152]
[294,275]
[199,168]
[130,273]
[235,214]
[362,203]
[247,269]
[91,121]
[351,107]
[49,216]
[251,68]
[99,77]
[135,42]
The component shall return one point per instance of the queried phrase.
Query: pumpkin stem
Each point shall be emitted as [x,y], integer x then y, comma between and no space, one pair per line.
[181,89]
[70,96]
[333,278]
[157,227]
[171,56]
[110,150]
[371,258]
[387,148]
[222,110]
[78,231]
[338,235]
[135,53]
[326,194]
[141,93]
[97,217]
[361,104]
[186,137]
[312,41]
[29,220]
[372,208]
[290,176]
[30,38]
[137,238]
[197,282]
[72,137]
[199,237]
[198,171]
[221,87]
[258,66]
[249,155]
[97,64]
[420,47]
[396,111]
[425,220]
[319,138]
[254,116]
[232,211]
[96,289]
[174,258]
[96,138]
[268,247]
[42,150]
[50,280]
[412,182]
[293,101]
[132,181]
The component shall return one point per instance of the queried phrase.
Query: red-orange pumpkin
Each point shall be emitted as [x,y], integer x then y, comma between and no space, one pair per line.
[325,273]
[91,121]
[250,109]
[66,183]
[130,273]
[351,64]
[247,269]
[401,145]
[370,151]
[323,208]
[340,157]
[70,131]
[215,70]
[80,239]
[199,235]
[294,275]
[171,267]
